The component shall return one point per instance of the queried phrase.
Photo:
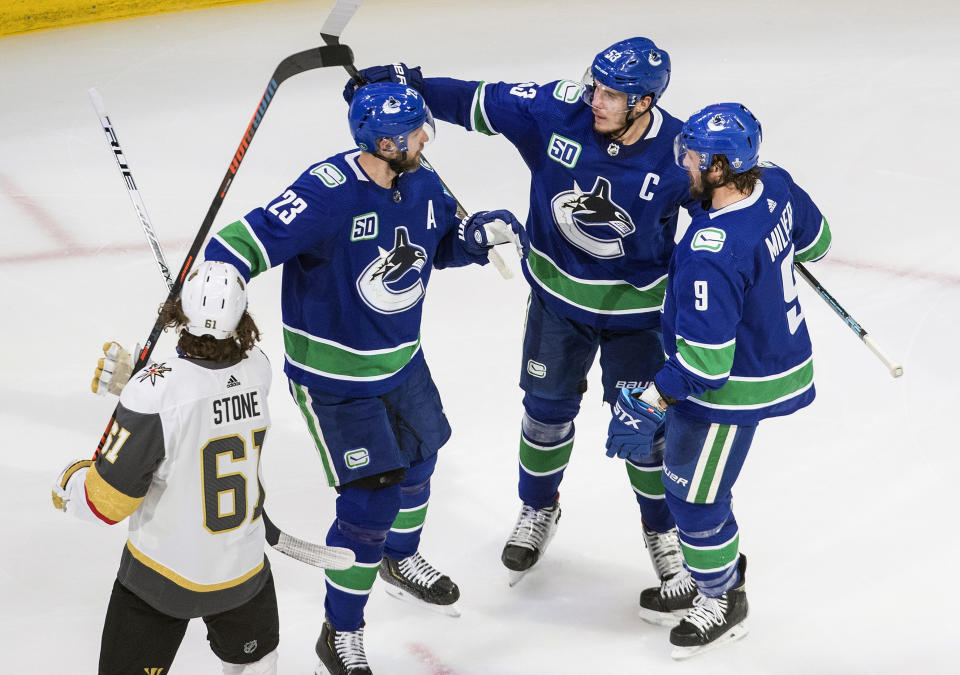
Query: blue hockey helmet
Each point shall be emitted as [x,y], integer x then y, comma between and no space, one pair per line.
[387,110]
[728,129]
[634,66]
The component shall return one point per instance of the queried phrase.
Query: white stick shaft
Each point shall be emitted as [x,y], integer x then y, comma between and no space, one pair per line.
[132,190]
[896,370]
[498,262]
[339,17]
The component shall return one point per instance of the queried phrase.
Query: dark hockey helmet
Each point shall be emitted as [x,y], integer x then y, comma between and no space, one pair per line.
[634,66]
[728,129]
[214,297]
[387,110]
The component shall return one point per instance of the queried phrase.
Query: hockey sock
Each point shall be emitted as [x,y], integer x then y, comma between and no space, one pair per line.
[710,542]
[544,454]
[363,521]
[404,537]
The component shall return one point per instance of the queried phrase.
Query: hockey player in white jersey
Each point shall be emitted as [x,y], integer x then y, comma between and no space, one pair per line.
[182,462]
[738,352]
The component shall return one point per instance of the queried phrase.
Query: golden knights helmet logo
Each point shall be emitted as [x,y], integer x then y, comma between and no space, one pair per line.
[592,221]
[392,283]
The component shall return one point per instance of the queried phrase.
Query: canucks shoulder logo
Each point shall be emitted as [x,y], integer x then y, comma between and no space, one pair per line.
[392,283]
[592,221]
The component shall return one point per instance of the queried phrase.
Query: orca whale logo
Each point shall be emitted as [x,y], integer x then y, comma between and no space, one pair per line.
[391,283]
[584,217]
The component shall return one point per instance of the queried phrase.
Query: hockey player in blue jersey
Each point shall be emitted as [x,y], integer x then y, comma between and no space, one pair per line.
[358,236]
[604,200]
[737,352]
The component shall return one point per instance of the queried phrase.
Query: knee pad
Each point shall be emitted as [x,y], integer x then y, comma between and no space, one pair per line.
[700,521]
[418,476]
[365,516]
[548,411]
[265,666]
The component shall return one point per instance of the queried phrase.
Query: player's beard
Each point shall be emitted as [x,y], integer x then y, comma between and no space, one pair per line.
[405,163]
[702,189]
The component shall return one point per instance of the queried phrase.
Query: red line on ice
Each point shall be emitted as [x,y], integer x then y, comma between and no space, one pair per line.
[428,658]
[37,213]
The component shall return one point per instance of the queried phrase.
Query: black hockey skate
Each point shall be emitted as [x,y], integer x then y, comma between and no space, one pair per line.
[666,604]
[712,621]
[415,580]
[529,540]
[341,652]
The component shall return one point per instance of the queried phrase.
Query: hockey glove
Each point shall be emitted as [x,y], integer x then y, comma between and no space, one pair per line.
[636,419]
[395,72]
[113,370]
[62,488]
[486,229]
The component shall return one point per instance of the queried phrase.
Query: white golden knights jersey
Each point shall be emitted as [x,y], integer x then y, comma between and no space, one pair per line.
[183,462]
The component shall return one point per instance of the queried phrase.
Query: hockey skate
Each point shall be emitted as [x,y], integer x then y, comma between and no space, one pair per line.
[666,604]
[528,542]
[415,580]
[712,621]
[341,652]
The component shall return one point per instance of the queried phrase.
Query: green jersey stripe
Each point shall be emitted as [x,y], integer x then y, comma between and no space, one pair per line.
[481,122]
[710,559]
[708,361]
[357,580]
[601,297]
[646,480]
[338,361]
[745,393]
[302,397]
[408,520]
[237,236]
[539,460]
[820,245]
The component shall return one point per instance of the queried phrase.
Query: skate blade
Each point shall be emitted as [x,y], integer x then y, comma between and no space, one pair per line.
[668,619]
[400,594]
[735,633]
[514,577]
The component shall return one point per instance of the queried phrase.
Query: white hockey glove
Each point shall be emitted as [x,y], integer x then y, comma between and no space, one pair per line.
[113,370]
[65,489]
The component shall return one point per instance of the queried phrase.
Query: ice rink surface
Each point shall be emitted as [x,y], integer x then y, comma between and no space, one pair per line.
[848,509]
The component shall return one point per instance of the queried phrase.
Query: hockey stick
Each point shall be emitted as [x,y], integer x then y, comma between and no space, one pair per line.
[318,57]
[327,557]
[340,15]
[896,370]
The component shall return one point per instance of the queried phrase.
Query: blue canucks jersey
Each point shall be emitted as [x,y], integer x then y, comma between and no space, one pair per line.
[356,264]
[737,345]
[602,215]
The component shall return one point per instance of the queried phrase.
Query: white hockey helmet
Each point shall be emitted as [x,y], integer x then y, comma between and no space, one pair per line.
[214,297]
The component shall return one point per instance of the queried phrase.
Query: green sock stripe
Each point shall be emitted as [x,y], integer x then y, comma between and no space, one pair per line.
[544,460]
[358,579]
[647,480]
[308,415]
[411,519]
[711,559]
[710,469]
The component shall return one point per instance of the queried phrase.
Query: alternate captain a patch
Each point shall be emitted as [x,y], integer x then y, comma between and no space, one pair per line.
[153,371]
